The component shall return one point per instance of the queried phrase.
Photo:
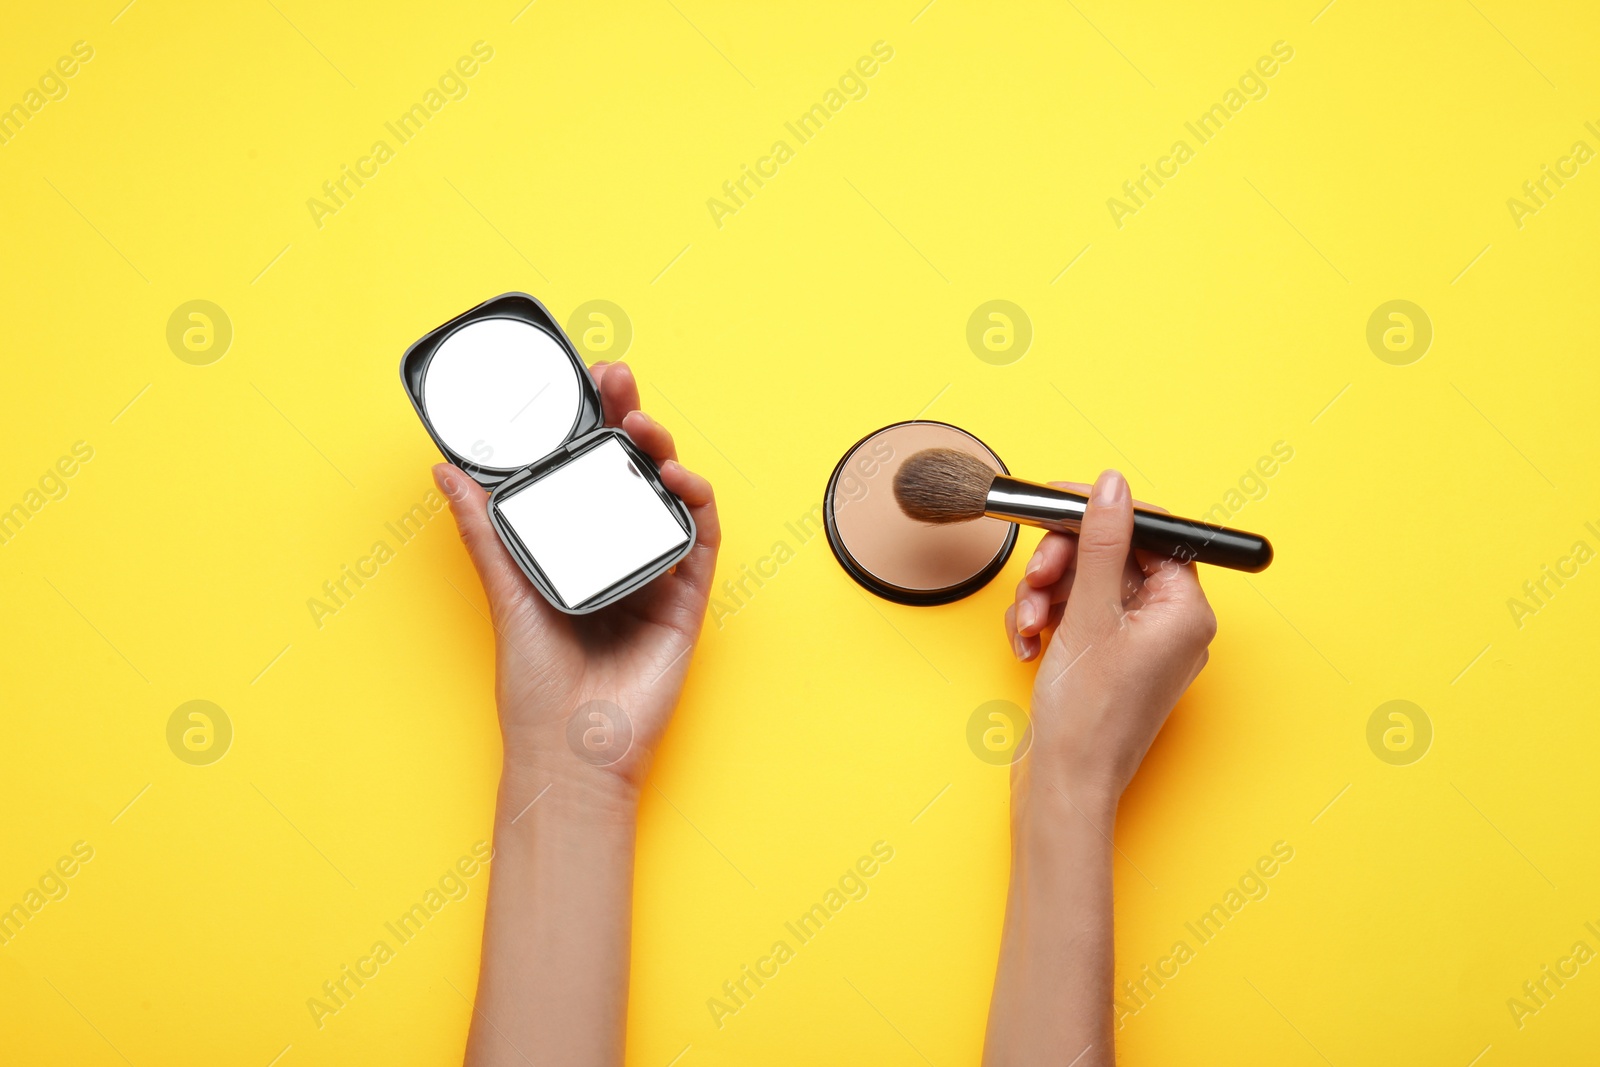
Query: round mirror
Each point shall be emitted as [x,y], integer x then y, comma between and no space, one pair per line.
[501,393]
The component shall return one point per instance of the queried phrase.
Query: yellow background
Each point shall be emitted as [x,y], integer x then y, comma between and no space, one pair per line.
[1227,315]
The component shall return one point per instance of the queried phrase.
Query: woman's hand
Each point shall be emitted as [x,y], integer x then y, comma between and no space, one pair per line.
[553,987]
[620,669]
[1131,630]
[1130,635]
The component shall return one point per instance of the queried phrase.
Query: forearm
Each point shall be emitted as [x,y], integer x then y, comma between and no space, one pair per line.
[553,987]
[1052,991]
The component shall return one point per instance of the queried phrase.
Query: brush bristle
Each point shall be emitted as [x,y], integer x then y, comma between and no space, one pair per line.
[942,485]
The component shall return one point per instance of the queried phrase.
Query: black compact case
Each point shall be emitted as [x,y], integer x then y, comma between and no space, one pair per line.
[586,432]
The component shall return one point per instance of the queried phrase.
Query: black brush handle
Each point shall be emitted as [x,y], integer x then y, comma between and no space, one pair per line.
[1185,539]
[1189,539]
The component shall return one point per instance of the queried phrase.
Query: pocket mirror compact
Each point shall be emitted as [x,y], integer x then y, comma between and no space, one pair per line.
[578,505]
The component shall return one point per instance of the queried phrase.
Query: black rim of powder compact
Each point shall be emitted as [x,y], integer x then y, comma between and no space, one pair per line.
[885,589]
[586,432]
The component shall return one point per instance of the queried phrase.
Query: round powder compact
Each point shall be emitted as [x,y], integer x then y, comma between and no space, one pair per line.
[893,555]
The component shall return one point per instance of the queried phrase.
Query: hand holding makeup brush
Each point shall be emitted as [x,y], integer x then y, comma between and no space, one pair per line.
[1130,633]
[1131,630]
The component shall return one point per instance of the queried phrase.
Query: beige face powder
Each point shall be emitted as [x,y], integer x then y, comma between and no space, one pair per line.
[897,557]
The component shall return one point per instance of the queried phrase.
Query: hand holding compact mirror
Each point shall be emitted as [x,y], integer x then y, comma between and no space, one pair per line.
[580,507]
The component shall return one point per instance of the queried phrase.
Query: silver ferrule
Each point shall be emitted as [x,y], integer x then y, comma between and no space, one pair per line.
[1036,505]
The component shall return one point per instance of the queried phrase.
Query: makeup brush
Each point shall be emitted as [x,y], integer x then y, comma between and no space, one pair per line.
[944,485]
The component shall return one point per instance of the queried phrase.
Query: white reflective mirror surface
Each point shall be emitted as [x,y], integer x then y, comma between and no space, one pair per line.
[501,393]
[592,522]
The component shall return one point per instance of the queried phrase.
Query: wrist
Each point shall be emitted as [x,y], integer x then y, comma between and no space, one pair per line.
[565,790]
[1045,803]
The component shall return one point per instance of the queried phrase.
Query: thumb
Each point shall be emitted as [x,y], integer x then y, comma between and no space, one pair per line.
[1103,545]
[502,581]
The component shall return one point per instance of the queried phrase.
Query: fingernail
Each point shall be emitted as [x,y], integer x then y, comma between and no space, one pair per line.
[1028,651]
[1026,614]
[1110,489]
[1034,564]
[1018,648]
[445,479]
[671,464]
